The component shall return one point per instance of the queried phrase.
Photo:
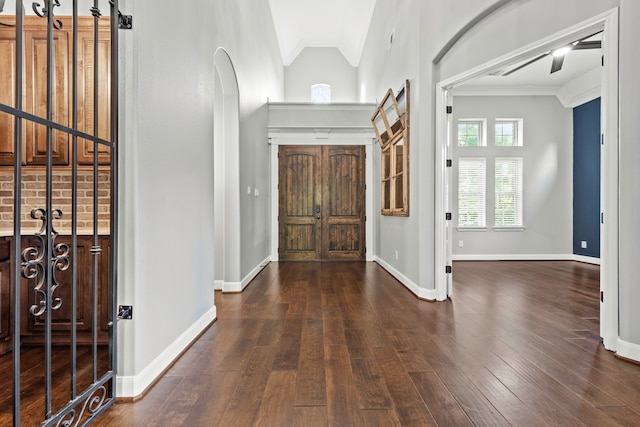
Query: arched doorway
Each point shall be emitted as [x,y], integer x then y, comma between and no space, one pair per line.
[226,174]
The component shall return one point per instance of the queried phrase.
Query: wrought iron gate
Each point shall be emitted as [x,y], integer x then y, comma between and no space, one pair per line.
[58,211]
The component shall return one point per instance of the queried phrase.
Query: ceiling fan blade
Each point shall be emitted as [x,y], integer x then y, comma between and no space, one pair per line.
[588,45]
[537,58]
[556,65]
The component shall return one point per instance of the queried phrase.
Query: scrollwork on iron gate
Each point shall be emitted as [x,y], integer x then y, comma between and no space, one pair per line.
[34,265]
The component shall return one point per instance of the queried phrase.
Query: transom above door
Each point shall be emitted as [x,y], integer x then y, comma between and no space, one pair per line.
[321,202]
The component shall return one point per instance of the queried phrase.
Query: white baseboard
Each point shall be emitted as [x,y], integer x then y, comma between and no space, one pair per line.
[513,257]
[526,257]
[427,294]
[132,386]
[218,285]
[587,259]
[628,350]
[232,287]
[239,286]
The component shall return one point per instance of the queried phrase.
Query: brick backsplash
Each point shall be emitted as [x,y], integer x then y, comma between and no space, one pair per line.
[34,196]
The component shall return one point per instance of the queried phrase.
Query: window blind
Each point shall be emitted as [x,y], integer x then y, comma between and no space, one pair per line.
[471,191]
[508,191]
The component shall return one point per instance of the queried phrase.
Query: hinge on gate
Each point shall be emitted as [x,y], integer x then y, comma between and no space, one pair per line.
[447,216]
[449,109]
[603,60]
[125,312]
[601,296]
[602,138]
[447,269]
[125,22]
[602,217]
[449,163]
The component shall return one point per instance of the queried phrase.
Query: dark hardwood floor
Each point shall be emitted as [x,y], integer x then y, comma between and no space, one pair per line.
[32,406]
[344,344]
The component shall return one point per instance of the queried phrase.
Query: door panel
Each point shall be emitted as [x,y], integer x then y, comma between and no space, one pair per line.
[321,202]
[299,198]
[36,46]
[343,216]
[7,96]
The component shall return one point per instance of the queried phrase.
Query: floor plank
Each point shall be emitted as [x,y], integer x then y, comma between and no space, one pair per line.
[344,344]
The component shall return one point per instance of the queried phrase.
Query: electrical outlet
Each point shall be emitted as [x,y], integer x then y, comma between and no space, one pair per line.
[396,254]
[583,244]
[460,243]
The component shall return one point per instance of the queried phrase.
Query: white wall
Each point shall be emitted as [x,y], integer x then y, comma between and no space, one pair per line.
[548,166]
[167,163]
[324,65]
[382,68]
[629,175]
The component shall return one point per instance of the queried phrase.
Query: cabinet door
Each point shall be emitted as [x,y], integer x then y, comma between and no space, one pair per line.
[32,327]
[7,93]
[5,301]
[36,92]
[87,102]
[5,291]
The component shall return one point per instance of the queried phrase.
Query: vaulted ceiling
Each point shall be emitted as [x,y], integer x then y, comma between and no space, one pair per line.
[344,24]
[322,23]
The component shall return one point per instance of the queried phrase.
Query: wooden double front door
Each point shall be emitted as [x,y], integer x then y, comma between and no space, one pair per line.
[321,202]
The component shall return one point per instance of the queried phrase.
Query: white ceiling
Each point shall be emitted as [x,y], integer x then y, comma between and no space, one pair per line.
[344,24]
[322,23]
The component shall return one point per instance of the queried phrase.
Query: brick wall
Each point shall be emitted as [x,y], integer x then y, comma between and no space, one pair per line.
[34,196]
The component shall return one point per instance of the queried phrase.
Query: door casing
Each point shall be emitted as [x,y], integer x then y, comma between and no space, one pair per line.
[361,137]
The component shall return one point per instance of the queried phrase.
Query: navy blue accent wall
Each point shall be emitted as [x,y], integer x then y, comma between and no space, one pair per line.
[586,178]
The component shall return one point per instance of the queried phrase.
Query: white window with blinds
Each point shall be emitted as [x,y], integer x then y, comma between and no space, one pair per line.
[508,192]
[472,192]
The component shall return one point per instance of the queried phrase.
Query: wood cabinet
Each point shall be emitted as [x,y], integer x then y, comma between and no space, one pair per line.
[35,90]
[32,327]
[5,295]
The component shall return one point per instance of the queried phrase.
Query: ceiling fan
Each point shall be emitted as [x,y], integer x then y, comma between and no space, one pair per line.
[560,53]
